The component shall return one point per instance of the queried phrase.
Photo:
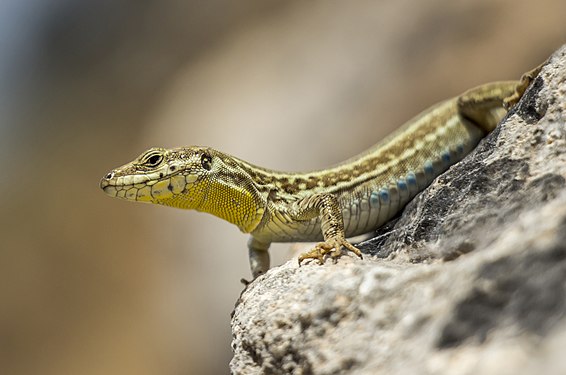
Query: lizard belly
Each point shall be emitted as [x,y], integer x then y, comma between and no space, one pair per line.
[369,207]
[278,229]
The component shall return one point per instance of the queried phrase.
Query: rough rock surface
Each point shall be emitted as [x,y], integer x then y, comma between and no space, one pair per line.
[471,279]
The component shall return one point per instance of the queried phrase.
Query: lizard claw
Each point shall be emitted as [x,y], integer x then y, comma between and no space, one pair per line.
[332,246]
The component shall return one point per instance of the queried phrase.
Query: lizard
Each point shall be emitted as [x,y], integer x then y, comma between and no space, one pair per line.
[351,198]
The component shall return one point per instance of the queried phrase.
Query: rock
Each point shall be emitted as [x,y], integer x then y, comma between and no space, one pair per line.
[470,279]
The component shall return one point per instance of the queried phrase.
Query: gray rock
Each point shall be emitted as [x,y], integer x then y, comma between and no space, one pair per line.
[471,279]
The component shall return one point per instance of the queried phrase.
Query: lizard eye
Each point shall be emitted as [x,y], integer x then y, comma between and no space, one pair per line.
[206,162]
[153,160]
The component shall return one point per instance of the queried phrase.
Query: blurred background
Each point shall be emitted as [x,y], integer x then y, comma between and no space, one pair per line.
[93,285]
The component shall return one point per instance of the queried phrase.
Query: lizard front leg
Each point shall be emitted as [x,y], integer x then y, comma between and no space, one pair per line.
[259,256]
[325,206]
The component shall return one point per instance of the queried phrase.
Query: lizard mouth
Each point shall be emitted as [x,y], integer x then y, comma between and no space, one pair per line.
[155,187]
[117,186]
[134,179]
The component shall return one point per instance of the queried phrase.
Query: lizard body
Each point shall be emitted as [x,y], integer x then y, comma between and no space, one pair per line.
[351,198]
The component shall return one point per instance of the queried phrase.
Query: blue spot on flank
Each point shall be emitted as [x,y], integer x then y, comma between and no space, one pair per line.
[374,199]
[460,148]
[428,168]
[402,185]
[384,195]
[411,179]
[446,157]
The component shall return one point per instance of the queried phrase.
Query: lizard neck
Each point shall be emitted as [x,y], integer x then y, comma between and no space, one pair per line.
[238,203]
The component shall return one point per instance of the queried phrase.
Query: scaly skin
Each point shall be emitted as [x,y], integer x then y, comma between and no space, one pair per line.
[351,198]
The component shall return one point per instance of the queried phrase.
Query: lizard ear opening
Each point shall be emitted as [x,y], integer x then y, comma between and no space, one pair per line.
[206,162]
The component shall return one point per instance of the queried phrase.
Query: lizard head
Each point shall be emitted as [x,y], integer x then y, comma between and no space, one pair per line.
[158,176]
[193,177]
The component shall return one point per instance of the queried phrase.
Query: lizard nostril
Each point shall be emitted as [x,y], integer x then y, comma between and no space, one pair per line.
[109,175]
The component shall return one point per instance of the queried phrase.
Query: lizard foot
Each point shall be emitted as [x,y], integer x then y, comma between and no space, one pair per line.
[332,246]
[526,80]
